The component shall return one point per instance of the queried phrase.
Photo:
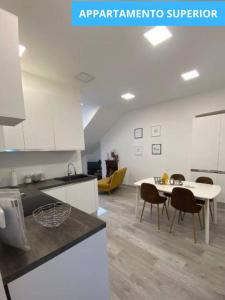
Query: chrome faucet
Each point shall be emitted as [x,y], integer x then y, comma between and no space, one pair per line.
[70,164]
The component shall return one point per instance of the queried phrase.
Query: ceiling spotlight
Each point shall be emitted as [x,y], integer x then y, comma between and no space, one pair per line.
[190,75]
[128,96]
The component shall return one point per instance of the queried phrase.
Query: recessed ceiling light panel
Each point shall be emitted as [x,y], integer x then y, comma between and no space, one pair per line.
[190,75]
[22,50]
[84,77]
[157,35]
[128,96]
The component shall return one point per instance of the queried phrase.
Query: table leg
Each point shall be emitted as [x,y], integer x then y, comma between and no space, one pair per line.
[137,200]
[215,211]
[207,222]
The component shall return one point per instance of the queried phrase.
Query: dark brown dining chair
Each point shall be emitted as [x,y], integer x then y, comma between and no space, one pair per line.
[150,194]
[179,177]
[184,201]
[206,180]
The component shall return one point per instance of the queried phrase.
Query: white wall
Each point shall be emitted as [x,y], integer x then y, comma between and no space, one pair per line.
[88,112]
[176,120]
[95,155]
[53,164]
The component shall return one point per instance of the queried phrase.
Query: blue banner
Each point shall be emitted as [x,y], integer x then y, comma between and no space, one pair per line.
[210,13]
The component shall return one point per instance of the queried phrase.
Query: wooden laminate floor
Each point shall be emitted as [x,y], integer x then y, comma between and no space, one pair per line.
[147,264]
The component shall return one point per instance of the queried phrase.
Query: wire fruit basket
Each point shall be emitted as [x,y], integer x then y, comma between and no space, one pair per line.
[52,215]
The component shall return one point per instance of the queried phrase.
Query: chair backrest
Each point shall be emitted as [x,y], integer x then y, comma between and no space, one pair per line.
[178,177]
[206,180]
[149,193]
[117,177]
[183,199]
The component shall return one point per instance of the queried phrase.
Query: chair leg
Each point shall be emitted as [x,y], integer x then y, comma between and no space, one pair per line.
[166,211]
[151,209]
[200,221]
[158,216]
[182,216]
[211,213]
[142,212]
[203,215]
[179,217]
[163,208]
[194,230]
[173,220]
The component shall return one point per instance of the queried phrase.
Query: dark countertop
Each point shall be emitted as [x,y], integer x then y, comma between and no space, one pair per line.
[33,197]
[45,243]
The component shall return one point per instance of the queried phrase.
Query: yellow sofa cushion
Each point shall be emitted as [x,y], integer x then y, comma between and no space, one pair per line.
[110,183]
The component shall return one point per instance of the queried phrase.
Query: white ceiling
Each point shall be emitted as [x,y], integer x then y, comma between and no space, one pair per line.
[119,58]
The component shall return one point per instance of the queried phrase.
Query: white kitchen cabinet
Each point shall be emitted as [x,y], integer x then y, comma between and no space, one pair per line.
[2,145]
[82,195]
[57,192]
[68,124]
[79,273]
[221,163]
[53,118]
[13,137]
[38,126]
[11,95]
[205,142]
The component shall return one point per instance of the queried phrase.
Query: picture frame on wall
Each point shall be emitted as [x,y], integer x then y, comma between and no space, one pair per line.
[138,150]
[138,133]
[156,149]
[156,130]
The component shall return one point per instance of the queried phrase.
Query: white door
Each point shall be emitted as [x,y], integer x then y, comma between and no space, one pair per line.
[68,124]
[38,126]
[205,142]
[13,137]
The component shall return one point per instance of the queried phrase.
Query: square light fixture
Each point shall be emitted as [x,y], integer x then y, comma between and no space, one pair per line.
[190,75]
[22,50]
[128,96]
[157,35]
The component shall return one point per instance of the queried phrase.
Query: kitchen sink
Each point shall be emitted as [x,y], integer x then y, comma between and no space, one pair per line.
[72,177]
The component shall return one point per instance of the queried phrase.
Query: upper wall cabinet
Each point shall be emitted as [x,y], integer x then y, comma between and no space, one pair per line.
[13,137]
[11,96]
[53,118]
[38,126]
[68,124]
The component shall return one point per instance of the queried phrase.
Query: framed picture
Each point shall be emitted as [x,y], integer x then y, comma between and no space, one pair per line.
[138,133]
[156,130]
[156,149]
[138,150]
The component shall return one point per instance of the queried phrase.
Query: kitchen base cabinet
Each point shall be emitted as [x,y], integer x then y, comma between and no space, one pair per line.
[57,192]
[82,195]
[79,273]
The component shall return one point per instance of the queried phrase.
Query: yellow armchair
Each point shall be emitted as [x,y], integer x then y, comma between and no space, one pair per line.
[114,181]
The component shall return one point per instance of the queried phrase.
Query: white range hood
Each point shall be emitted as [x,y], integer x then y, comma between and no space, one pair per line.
[12,109]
